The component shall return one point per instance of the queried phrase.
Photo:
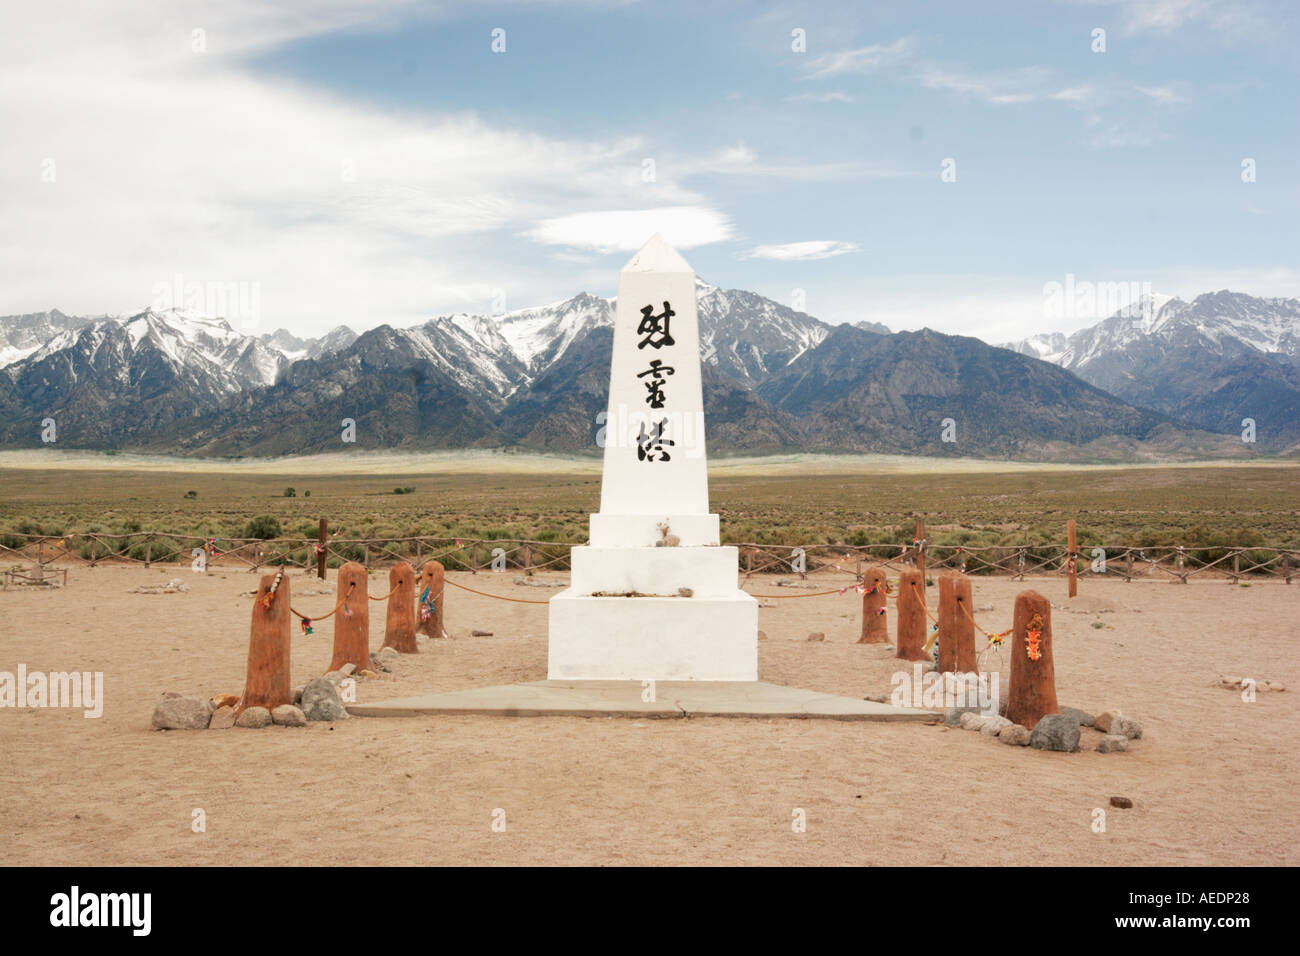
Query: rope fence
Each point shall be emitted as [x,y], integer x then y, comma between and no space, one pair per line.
[1173,563]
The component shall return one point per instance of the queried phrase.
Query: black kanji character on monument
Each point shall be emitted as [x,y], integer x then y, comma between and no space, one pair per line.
[655,325]
[658,372]
[648,445]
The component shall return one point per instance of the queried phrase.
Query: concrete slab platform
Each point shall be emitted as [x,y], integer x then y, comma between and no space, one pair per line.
[617,698]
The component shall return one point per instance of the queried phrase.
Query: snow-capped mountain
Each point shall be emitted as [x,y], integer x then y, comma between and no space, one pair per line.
[21,335]
[775,379]
[294,348]
[1213,361]
[1221,323]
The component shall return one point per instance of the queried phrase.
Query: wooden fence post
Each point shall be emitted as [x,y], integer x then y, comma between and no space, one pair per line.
[1128,564]
[433,582]
[956,627]
[1072,557]
[352,619]
[920,550]
[1033,678]
[399,627]
[875,626]
[322,549]
[911,616]
[267,681]
[1236,567]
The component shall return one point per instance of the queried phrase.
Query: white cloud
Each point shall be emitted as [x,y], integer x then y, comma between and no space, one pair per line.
[831,96]
[169,161]
[802,251]
[1161,94]
[626,230]
[865,59]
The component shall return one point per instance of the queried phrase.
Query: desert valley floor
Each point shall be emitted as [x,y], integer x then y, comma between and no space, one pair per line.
[1213,780]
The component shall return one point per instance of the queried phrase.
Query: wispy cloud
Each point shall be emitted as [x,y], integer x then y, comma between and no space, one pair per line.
[802,251]
[832,96]
[1161,94]
[866,59]
[627,229]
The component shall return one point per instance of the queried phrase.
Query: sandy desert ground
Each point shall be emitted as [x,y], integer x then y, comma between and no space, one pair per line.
[1214,780]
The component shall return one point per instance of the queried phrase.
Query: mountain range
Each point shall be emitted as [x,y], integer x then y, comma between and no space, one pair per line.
[1167,379]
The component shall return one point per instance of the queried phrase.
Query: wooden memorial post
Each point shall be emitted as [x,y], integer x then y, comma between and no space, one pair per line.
[267,681]
[433,580]
[352,619]
[399,628]
[911,616]
[875,629]
[956,627]
[1033,680]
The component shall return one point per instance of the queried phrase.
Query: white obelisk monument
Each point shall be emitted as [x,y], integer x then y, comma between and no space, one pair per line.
[654,596]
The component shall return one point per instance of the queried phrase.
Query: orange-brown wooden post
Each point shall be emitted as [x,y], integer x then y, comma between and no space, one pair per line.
[911,616]
[956,626]
[1072,556]
[399,628]
[433,580]
[267,681]
[1033,679]
[875,624]
[352,619]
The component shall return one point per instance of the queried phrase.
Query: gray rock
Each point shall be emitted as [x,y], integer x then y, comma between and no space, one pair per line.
[297,695]
[222,719]
[254,717]
[1114,722]
[1127,726]
[1084,718]
[952,717]
[172,695]
[389,654]
[182,713]
[334,677]
[347,669]
[685,592]
[1055,732]
[972,720]
[287,715]
[321,701]
[1015,735]
[1112,744]
[995,725]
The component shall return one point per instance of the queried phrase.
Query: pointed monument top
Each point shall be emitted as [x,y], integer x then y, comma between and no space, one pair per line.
[657,256]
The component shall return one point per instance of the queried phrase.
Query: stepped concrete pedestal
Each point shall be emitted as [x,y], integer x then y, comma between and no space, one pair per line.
[654,596]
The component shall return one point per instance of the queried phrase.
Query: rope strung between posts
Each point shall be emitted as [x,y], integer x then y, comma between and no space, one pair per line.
[306,622]
[386,596]
[499,597]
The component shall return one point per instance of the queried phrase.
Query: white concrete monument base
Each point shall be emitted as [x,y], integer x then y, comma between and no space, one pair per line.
[695,638]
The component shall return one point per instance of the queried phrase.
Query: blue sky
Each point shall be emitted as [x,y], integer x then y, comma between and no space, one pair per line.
[379,162]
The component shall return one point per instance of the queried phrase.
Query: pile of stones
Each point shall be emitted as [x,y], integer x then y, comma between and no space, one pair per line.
[1059,732]
[317,700]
